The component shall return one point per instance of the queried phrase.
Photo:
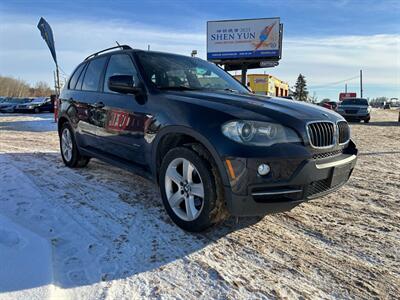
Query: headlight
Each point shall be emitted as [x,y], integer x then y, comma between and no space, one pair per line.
[259,133]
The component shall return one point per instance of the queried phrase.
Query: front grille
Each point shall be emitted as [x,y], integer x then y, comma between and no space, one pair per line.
[327,154]
[344,132]
[320,187]
[351,111]
[321,134]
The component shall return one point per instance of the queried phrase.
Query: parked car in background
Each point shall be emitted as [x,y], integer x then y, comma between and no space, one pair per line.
[387,106]
[333,104]
[213,147]
[9,104]
[36,105]
[327,105]
[355,109]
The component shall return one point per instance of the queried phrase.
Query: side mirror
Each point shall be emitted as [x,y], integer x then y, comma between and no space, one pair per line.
[123,84]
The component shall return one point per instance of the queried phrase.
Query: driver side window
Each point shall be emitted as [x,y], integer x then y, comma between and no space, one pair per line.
[120,64]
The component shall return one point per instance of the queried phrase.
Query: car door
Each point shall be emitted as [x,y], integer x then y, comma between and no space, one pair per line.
[87,102]
[122,133]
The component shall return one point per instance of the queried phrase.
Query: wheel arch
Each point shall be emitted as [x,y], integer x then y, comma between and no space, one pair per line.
[61,121]
[174,136]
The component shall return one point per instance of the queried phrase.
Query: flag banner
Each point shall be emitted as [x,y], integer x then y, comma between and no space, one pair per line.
[47,35]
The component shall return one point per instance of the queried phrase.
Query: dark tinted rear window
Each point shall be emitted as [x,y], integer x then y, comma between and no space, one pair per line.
[74,78]
[355,101]
[93,74]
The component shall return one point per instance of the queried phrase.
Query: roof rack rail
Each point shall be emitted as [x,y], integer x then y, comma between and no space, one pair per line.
[122,47]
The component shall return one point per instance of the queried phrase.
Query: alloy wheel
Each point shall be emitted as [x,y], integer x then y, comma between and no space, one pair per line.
[66,144]
[184,189]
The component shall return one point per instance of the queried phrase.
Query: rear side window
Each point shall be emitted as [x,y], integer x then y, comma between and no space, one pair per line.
[75,76]
[93,74]
[120,64]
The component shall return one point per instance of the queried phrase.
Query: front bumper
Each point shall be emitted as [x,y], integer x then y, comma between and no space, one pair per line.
[24,110]
[356,116]
[7,110]
[250,194]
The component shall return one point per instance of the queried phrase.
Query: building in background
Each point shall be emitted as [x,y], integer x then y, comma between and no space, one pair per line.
[265,84]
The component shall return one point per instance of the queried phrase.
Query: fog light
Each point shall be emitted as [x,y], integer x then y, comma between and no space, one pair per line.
[263,169]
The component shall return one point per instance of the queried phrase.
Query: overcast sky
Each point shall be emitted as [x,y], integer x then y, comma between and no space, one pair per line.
[327,41]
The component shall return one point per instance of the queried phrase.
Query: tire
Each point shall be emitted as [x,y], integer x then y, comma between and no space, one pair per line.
[206,210]
[37,110]
[71,158]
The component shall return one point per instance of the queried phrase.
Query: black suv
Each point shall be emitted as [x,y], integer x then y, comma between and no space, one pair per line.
[213,147]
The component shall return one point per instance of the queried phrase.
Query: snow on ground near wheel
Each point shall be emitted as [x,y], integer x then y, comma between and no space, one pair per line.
[111,238]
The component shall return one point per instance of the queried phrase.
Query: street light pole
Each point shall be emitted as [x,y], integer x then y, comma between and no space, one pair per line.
[361,84]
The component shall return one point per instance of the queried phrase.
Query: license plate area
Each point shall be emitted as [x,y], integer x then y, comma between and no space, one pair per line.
[339,174]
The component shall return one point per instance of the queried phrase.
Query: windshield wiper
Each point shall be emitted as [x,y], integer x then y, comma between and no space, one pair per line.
[231,90]
[178,88]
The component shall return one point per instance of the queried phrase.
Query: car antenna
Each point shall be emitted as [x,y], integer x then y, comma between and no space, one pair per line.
[118,44]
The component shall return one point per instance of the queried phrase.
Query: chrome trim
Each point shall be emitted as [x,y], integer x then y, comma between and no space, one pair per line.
[334,134]
[276,193]
[345,143]
[336,163]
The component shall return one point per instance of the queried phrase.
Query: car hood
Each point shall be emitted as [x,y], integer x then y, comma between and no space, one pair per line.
[275,108]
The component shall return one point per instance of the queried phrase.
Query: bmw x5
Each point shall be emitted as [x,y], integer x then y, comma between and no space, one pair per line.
[214,148]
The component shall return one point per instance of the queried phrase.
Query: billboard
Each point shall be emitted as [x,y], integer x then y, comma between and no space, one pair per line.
[244,39]
[347,95]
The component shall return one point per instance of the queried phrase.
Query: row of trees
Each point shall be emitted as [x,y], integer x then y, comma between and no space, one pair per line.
[11,87]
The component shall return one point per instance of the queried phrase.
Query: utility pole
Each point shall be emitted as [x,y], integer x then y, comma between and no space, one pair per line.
[345,88]
[361,86]
[244,75]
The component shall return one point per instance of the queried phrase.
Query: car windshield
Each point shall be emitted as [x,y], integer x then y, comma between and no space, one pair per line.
[354,101]
[176,72]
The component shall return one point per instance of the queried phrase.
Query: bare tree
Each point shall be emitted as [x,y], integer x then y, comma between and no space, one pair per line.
[11,87]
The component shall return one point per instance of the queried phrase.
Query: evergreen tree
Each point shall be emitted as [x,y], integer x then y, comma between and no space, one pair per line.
[300,92]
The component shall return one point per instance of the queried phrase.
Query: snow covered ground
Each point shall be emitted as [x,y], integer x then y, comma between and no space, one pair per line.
[102,233]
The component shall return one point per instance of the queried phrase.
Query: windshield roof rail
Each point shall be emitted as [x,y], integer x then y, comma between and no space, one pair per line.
[122,47]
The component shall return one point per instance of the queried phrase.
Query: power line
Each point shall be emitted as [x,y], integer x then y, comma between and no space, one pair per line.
[334,83]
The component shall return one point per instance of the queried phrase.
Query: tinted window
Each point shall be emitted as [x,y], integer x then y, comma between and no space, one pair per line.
[80,80]
[93,74]
[74,78]
[168,71]
[120,64]
[354,101]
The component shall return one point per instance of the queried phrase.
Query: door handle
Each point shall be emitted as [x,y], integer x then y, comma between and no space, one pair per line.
[98,105]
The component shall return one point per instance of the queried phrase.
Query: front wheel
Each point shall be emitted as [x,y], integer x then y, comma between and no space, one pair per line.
[69,149]
[189,190]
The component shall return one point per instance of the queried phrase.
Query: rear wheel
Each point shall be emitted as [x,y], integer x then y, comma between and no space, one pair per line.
[189,190]
[69,150]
